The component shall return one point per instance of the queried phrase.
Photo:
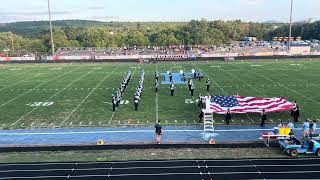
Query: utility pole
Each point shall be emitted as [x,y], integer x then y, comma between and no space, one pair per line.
[290,27]
[51,33]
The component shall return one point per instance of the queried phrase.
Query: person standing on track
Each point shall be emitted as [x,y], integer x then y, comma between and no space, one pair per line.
[306,128]
[290,125]
[263,118]
[314,127]
[158,130]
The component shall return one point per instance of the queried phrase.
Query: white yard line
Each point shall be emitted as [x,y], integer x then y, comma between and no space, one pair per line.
[76,108]
[75,80]
[247,86]
[112,116]
[244,82]
[37,87]
[279,84]
[211,79]
[10,85]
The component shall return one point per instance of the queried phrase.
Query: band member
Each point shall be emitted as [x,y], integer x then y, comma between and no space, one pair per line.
[200,101]
[228,117]
[156,86]
[199,76]
[156,75]
[136,104]
[114,104]
[295,113]
[208,85]
[263,118]
[201,115]
[172,87]
[192,89]
[170,77]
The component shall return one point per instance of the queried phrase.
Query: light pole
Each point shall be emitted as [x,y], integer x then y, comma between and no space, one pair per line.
[290,27]
[51,34]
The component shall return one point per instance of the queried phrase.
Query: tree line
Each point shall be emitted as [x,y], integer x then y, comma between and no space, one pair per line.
[113,35]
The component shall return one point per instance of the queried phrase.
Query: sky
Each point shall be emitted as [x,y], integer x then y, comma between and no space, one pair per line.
[159,10]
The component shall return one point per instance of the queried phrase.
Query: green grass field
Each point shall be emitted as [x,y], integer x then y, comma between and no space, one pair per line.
[78,95]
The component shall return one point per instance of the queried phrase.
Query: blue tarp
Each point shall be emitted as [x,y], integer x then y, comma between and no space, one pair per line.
[187,134]
[176,77]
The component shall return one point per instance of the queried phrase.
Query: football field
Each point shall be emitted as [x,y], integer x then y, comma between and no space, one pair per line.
[79,94]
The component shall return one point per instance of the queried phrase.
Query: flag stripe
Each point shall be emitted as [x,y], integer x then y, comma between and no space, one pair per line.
[220,104]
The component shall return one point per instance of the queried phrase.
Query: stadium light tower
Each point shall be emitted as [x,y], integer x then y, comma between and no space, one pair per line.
[290,27]
[51,33]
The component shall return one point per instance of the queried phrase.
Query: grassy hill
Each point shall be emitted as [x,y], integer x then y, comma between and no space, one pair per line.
[36,29]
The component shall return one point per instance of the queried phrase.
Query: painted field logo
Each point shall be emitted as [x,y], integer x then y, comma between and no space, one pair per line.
[40,104]
[191,101]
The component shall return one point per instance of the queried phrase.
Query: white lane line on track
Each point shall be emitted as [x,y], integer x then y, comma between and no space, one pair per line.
[87,97]
[211,173]
[75,80]
[155,161]
[170,167]
[36,87]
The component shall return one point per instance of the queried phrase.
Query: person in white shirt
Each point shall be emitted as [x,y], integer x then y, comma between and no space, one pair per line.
[291,126]
[313,127]
[306,128]
[281,125]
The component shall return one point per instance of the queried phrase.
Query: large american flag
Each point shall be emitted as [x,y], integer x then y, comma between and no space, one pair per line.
[242,104]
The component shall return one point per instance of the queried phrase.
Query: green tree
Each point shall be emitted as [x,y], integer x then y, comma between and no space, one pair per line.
[60,39]
[137,39]
[164,39]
